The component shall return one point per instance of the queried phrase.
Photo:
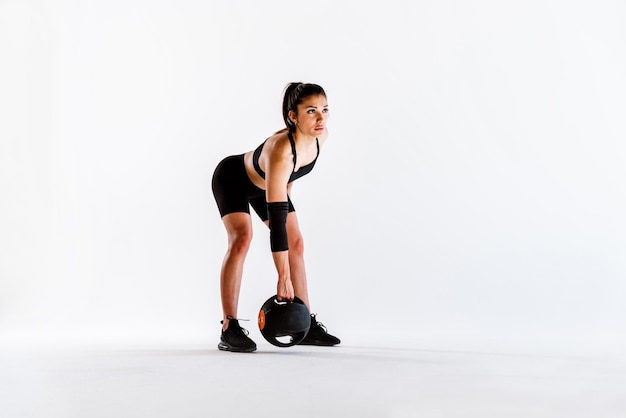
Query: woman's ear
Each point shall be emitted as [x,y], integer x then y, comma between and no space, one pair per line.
[292,117]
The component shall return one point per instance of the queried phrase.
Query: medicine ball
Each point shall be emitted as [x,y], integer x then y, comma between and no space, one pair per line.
[284,319]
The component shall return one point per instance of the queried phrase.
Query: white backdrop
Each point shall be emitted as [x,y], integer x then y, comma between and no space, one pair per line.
[472,185]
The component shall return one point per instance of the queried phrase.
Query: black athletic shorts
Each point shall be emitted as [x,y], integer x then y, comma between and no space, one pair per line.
[235,192]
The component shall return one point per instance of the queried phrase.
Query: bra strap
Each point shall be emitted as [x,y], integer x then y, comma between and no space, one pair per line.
[293,149]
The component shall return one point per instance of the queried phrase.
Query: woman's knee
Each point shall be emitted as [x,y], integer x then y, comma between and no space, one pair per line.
[296,245]
[239,241]
[239,231]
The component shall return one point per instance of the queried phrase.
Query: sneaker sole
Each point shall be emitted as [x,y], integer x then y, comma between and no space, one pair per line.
[226,347]
[318,343]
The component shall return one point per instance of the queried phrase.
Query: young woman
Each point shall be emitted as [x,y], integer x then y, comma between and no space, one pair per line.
[263,179]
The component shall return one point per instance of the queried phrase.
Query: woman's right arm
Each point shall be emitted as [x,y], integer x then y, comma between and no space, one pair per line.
[278,168]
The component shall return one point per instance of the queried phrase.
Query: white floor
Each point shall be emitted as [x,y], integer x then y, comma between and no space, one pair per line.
[344,381]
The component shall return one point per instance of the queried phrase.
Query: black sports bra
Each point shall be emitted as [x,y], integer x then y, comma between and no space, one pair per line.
[305,169]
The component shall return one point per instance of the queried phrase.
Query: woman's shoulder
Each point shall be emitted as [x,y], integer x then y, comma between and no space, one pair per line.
[278,147]
[278,140]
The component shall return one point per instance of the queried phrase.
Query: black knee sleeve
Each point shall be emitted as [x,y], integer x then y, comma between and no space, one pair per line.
[277,216]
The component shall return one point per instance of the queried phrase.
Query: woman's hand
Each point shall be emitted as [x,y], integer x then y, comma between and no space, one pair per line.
[284,290]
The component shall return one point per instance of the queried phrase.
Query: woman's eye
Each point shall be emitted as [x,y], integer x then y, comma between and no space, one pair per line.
[325,110]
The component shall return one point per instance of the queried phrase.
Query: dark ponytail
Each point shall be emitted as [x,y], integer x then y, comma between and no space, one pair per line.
[294,94]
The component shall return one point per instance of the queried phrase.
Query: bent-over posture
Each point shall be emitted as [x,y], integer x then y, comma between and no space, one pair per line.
[263,178]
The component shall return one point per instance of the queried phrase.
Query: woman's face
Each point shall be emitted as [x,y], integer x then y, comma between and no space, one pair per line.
[312,116]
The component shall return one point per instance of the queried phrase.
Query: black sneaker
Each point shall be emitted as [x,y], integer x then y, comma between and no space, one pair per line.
[318,335]
[235,338]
